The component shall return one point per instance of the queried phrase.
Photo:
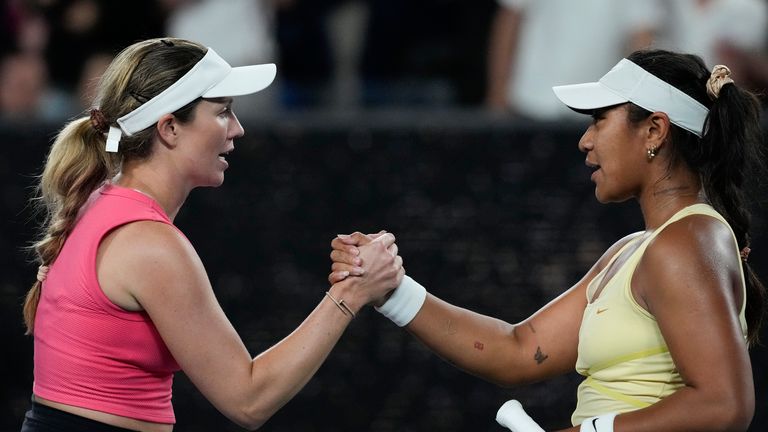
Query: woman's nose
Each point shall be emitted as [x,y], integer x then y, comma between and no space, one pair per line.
[585,143]
[236,128]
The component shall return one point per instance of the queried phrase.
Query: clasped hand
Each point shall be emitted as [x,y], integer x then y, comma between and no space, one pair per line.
[369,261]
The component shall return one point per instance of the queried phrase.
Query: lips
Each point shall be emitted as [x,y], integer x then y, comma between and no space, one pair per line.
[593,166]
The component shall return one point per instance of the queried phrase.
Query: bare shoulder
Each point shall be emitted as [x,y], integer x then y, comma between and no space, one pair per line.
[694,259]
[693,240]
[139,256]
[146,242]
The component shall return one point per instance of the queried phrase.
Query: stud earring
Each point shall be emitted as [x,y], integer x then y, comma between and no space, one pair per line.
[652,153]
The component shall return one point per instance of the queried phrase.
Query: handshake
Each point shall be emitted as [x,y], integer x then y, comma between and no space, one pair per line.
[371,262]
[369,268]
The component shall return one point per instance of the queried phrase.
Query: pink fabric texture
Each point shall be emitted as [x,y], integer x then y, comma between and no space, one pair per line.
[89,352]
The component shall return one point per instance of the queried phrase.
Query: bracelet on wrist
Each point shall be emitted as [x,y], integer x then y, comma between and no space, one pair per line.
[341,305]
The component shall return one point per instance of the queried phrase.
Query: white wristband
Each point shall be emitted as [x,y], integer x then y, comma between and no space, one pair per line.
[601,423]
[403,305]
[512,416]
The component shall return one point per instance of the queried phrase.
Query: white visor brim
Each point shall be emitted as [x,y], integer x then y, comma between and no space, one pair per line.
[211,77]
[628,82]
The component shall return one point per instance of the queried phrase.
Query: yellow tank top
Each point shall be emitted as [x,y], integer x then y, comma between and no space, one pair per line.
[622,353]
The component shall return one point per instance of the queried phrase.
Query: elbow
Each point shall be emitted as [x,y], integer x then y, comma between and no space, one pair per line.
[251,417]
[734,412]
[249,421]
[739,419]
[734,420]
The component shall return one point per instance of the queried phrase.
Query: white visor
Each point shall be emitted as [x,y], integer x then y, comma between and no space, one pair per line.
[211,77]
[628,82]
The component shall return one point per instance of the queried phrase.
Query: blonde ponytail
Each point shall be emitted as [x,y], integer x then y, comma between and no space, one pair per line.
[76,165]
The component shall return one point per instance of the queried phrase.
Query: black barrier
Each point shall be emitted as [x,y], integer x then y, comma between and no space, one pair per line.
[497,216]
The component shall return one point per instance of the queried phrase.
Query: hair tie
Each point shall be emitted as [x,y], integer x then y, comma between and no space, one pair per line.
[99,121]
[720,76]
[745,253]
[42,273]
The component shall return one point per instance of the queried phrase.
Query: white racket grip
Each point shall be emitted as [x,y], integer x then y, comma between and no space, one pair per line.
[512,416]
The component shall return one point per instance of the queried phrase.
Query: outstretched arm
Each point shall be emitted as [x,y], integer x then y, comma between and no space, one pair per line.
[542,346]
[165,278]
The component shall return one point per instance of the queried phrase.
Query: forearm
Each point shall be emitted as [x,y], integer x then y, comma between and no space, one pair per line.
[688,409]
[280,372]
[691,409]
[478,344]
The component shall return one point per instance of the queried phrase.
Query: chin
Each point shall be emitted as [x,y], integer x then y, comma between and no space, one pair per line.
[213,182]
[604,198]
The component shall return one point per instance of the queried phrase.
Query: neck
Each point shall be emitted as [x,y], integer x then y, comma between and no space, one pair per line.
[667,195]
[160,185]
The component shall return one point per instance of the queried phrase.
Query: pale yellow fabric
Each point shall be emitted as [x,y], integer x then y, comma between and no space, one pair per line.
[621,349]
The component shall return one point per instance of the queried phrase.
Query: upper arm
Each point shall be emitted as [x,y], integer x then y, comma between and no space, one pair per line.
[542,346]
[553,331]
[158,267]
[689,280]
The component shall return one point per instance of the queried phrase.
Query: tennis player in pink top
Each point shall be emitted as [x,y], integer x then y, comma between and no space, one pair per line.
[122,299]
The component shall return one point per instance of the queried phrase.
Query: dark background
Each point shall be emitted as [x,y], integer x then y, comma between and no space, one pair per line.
[497,216]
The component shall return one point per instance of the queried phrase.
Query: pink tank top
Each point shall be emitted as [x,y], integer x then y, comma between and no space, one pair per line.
[89,352]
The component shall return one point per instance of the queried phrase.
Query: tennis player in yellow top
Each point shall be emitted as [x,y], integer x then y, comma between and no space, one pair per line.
[661,324]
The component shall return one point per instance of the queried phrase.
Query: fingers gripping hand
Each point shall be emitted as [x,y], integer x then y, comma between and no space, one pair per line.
[382,269]
[345,254]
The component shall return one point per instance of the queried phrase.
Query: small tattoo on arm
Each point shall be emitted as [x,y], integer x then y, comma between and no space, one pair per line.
[540,356]
[479,346]
[450,327]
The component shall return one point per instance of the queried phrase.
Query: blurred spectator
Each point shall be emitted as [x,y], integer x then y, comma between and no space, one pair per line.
[92,70]
[23,83]
[705,27]
[25,93]
[374,53]
[752,69]
[425,53]
[730,32]
[241,31]
[346,23]
[537,44]
[81,28]
[23,28]
[306,59]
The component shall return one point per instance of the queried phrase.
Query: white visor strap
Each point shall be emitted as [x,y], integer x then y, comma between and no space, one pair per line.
[206,73]
[645,90]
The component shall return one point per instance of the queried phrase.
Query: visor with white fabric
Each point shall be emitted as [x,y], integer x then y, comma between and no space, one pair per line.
[628,82]
[211,77]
